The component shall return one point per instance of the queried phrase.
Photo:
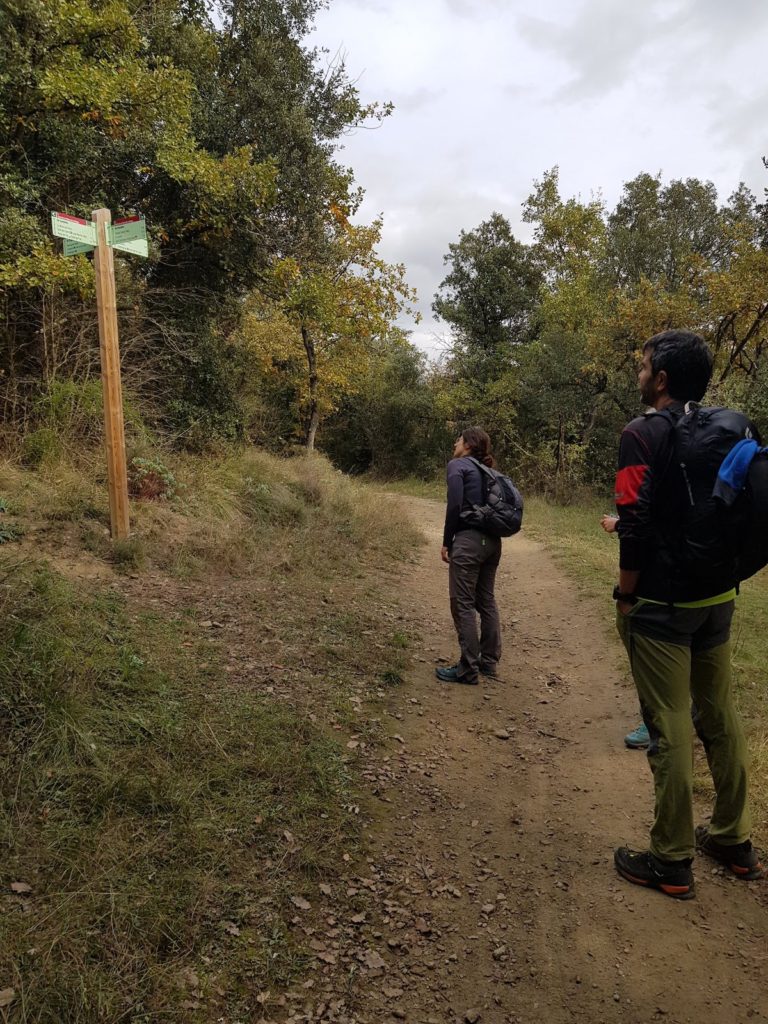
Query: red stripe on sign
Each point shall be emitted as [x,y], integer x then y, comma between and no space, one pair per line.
[126,220]
[628,483]
[77,220]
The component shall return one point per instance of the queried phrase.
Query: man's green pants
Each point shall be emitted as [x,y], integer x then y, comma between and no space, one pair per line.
[679,655]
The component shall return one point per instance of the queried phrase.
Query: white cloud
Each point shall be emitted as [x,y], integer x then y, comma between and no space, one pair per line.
[489,96]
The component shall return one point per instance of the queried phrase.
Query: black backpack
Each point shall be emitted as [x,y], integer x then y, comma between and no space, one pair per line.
[502,513]
[712,544]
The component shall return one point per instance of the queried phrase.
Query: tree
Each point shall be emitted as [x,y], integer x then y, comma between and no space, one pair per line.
[668,255]
[720,294]
[93,115]
[569,250]
[488,297]
[259,88]
[561,410]
[654,230]
[336,305]
[222,133]
[392,425]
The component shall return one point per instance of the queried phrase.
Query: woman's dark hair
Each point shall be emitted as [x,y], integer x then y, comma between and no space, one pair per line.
[687,361]
[479,445]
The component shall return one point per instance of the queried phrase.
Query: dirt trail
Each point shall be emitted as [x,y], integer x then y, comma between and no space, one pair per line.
[494,854]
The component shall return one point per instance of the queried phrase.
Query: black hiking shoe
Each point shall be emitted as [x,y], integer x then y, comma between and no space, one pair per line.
[489,671]
[672,878]
[451,675]
[741,858]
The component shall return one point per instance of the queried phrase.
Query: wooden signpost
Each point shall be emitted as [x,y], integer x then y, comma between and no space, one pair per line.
[102,236]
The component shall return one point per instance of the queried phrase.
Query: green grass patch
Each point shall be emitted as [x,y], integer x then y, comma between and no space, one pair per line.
[573,533]
[157,818]
[413,487]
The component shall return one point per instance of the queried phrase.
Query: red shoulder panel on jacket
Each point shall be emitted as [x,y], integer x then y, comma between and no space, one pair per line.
[628,483]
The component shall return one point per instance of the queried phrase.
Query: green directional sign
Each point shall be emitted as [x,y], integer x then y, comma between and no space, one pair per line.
[74,229]
[129,234]
[73,248]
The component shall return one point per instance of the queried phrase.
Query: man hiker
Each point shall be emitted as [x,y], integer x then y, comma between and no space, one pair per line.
[675,626]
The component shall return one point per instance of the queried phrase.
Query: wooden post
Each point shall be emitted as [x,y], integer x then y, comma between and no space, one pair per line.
[114,427]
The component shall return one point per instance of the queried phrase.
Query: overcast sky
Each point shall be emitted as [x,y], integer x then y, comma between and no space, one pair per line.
[491,93]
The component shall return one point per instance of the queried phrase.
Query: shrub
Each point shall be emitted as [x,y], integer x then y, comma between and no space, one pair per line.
[150,479]
[10,532]
[39,447]
[73,409]
[128,553]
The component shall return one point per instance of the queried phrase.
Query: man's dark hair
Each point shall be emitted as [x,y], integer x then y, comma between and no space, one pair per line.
[687,361]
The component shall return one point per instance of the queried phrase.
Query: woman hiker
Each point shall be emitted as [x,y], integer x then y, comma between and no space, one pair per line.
[472,558]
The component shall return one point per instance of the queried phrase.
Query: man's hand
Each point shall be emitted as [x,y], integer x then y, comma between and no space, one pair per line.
[624,607]
[609,523]
[444,554]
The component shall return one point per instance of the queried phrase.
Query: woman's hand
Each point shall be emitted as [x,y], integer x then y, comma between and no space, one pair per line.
[445,554]
[609,523]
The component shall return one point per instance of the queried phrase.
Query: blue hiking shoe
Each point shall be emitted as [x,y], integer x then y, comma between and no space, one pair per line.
[638,739]
[451,675]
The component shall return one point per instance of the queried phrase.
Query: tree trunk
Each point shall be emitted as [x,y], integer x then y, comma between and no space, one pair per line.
[314,416]
[736,352]
[587,433]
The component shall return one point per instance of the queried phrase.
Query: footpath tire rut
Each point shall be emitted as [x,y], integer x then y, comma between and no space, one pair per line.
[495,831]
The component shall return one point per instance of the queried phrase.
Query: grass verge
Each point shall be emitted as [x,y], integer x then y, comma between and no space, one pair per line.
[226,512]
[413,487]
[170,788]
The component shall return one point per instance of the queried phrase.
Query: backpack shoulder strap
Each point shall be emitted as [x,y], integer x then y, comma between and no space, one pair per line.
[670,417]
[672,421]
[486,469]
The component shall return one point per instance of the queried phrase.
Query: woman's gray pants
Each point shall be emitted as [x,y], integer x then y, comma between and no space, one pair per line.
[472,572]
